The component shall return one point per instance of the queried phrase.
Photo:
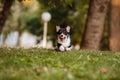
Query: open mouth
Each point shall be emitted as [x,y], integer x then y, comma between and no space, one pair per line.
[61,38]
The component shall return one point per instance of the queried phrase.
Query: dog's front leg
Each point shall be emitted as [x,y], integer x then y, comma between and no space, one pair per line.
[61,48]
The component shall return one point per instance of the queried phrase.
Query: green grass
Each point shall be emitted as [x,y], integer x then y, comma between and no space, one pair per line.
[43,64]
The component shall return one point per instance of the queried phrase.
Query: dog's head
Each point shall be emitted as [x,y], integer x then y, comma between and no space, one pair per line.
[63,32]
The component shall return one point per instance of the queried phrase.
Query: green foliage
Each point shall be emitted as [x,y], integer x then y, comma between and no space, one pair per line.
[22,18]
[43,64]
[34,27]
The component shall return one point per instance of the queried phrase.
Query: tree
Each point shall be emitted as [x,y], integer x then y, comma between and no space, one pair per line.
[94,24]
[114,26]
[5,12]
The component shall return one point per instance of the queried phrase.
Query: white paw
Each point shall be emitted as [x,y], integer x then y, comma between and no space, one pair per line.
[61,48]
[68,49]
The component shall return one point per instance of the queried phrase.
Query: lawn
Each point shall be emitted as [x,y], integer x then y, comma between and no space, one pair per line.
[46,64]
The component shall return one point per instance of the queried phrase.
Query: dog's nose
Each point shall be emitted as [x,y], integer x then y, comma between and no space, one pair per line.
[61,35]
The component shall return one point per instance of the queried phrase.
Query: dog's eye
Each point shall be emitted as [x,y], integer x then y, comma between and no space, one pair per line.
[59,32]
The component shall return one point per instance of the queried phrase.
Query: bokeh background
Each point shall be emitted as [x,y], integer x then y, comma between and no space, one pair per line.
[24,27]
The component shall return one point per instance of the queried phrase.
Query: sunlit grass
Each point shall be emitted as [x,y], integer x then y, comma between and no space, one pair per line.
[43,64]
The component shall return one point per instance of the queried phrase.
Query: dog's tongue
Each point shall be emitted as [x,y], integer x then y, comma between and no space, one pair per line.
[61,38]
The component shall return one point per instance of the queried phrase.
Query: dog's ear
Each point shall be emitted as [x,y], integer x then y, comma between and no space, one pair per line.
[57,28]
[68,28]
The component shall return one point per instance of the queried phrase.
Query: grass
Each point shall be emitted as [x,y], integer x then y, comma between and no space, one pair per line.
[43,64]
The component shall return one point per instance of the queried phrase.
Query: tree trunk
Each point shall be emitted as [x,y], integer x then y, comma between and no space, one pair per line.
[94,24]
[114,26]
[4,13]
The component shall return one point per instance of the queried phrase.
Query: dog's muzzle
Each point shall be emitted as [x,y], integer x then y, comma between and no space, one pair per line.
[61,37]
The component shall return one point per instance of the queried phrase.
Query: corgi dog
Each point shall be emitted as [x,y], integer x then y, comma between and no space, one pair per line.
[63,38]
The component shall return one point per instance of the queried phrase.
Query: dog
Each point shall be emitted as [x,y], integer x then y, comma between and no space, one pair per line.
[63,38]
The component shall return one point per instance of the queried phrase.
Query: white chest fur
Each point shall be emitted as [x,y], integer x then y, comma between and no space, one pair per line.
[65,43]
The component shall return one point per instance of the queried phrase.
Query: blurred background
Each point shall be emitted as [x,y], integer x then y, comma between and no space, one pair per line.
[24,27]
